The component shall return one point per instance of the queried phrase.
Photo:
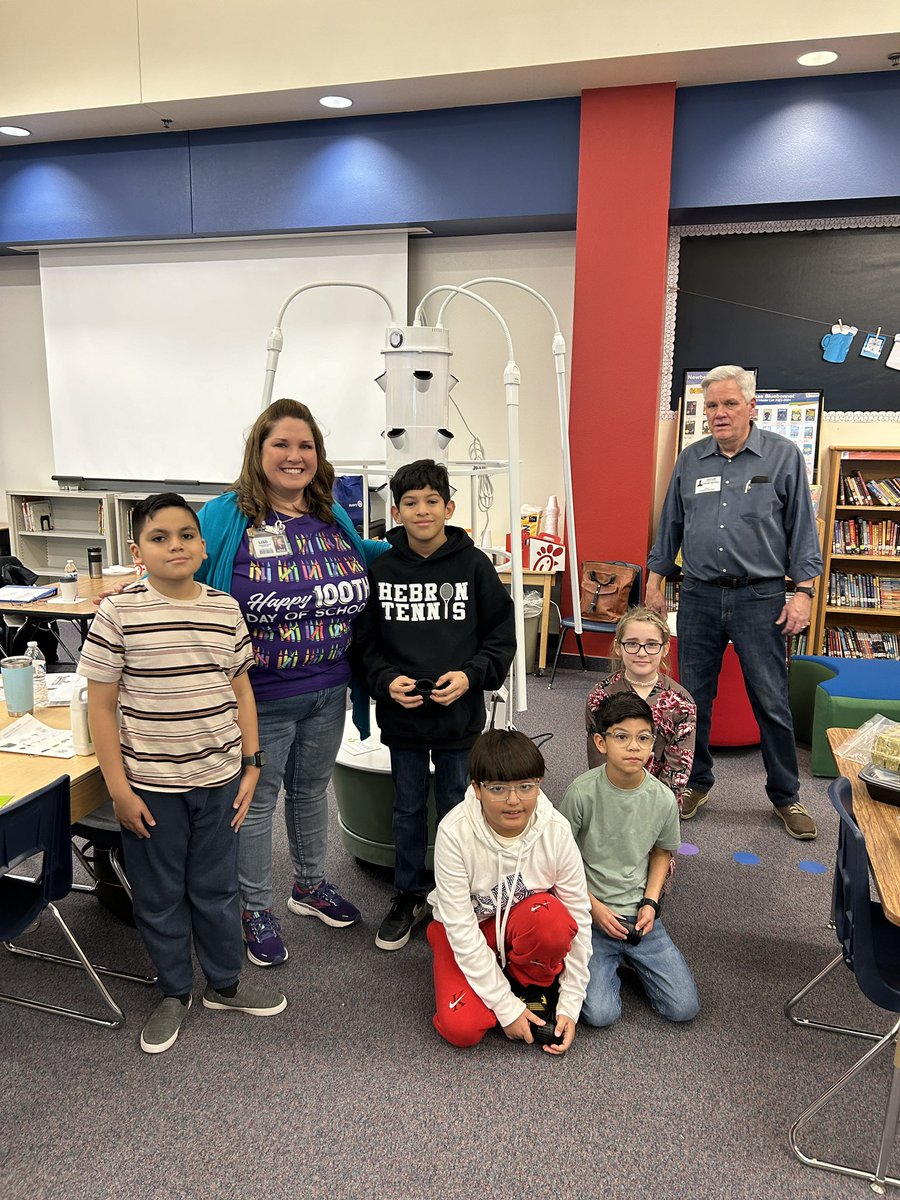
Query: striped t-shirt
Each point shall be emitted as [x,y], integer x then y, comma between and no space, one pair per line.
[174,661]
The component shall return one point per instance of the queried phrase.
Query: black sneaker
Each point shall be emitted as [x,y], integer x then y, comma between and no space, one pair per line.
[407,909]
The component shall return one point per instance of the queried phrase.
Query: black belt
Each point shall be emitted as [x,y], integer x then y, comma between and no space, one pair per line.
[739,581]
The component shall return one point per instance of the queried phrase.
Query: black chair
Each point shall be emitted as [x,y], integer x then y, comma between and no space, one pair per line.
[567,623]
[870,947]
[39,824]
[97,844]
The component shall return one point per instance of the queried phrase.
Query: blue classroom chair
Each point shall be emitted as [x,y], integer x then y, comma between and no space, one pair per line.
[870,948]
[39,824]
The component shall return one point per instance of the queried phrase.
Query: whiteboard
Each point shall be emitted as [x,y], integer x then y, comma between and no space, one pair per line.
[156,353]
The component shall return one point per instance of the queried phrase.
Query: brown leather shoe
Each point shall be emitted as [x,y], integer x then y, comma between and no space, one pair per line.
[797,822]
[692,799]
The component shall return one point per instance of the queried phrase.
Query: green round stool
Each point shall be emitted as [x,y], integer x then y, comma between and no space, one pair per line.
[365,798]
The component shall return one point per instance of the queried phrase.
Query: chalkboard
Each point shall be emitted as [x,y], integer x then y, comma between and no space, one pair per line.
[767,299]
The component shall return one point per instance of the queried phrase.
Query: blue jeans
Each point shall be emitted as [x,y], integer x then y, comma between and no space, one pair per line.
[666,977]
[708,618]
[184,880]
[409,770]
[301,736]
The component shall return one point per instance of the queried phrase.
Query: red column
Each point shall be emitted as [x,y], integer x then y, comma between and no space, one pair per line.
[620,277]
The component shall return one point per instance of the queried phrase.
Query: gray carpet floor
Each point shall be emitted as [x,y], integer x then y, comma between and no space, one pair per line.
[351,1094]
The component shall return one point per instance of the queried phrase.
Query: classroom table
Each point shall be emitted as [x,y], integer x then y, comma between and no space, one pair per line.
[880,826]
[81,611]
[21,774]
[543,580]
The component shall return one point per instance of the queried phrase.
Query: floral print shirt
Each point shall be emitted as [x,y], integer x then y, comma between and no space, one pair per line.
[675,718]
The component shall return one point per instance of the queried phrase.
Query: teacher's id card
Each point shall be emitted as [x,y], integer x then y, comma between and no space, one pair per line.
[268,543]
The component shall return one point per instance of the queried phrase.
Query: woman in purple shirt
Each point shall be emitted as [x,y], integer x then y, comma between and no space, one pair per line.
[291,558]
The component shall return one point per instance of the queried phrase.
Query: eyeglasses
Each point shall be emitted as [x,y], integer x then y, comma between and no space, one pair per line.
[644,740]
[502,791]
[633,646]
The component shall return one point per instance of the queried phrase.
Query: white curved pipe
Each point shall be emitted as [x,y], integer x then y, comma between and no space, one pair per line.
[276,338]
[559,358]
[511,380]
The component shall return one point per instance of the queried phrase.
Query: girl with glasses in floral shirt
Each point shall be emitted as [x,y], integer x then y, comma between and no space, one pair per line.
[640,658]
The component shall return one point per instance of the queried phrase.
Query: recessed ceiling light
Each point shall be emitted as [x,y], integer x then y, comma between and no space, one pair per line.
[817,58]
[335,101]
[15,131]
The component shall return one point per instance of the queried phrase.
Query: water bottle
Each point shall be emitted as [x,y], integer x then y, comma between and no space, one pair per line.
[68,585]
[78,715]
[39,674]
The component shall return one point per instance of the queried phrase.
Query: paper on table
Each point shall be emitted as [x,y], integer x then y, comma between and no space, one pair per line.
[28,736]
[355,746]
[118,569]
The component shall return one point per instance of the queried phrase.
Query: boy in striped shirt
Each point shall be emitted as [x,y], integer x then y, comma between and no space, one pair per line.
[180,759]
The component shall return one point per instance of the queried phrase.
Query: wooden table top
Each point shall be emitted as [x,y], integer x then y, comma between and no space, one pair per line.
[21,774]
[880,825]
[88,591]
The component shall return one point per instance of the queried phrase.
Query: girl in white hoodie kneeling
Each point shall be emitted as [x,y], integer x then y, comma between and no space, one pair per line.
[512,929]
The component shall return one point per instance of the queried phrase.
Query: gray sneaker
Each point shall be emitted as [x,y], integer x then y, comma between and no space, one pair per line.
[692,799]
[162,1026]
[797,822]
[249,998]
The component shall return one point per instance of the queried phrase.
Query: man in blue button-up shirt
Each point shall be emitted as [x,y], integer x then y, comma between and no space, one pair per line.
[739,508]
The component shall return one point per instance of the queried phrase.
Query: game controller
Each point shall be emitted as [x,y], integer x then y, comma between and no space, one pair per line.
[545,1035]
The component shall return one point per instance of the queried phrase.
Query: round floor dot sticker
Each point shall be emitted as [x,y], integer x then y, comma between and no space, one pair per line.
[811,867]
[745,857]
[688,848]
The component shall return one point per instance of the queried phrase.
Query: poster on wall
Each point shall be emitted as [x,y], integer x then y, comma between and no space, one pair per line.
[795,415]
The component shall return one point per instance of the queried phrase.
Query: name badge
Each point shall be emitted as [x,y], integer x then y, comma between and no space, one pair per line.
[264,543]
[712,483]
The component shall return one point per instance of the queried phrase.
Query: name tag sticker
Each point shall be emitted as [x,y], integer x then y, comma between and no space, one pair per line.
[712,483]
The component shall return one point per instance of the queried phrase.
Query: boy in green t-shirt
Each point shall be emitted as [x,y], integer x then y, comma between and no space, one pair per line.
[626,826]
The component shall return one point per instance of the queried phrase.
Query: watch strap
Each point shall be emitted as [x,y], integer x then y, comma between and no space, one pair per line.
[654,904]
[806,591]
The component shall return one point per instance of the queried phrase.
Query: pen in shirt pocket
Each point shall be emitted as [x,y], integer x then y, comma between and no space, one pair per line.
[755,479]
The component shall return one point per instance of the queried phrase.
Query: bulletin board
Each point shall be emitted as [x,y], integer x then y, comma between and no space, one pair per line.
[768,298]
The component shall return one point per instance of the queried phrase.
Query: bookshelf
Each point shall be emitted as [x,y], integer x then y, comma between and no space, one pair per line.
[859,613]
[76,520]
[125,502]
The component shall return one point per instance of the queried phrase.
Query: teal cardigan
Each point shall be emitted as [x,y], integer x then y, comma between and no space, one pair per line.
[223,526]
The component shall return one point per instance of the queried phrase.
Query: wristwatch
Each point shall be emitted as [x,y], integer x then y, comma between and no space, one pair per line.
[805,591]
[653,904]
[254,760]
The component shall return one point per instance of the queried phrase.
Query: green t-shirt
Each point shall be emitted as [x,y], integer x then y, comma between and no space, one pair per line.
[615,830]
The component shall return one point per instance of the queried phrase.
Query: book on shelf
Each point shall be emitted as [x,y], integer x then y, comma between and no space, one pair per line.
[798,644]
[849,590]
[859,535]
[854,489]
[37,516]
[846,642]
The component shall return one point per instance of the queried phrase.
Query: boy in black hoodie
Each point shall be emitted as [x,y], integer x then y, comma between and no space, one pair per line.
[438,631]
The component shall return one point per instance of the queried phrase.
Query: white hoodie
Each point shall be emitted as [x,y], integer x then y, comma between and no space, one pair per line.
[476,877]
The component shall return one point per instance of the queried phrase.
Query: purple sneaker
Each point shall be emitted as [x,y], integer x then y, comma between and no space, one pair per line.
[262,935]
[324,902]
